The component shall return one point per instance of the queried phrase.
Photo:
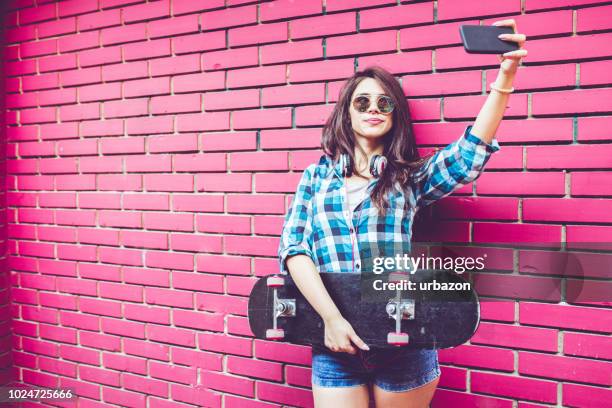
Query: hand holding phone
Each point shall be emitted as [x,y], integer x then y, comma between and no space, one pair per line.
[484,39]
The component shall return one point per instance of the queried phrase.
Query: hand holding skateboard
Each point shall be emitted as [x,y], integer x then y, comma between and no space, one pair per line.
[339,334]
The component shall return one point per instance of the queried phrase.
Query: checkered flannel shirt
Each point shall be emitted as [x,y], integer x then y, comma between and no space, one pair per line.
[319,223]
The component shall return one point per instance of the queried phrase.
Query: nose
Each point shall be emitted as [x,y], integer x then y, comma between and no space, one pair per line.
[373,106]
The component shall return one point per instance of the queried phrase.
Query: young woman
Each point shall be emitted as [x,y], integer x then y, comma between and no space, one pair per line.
[340,203]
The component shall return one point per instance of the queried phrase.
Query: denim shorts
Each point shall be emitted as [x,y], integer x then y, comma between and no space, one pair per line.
[394,370]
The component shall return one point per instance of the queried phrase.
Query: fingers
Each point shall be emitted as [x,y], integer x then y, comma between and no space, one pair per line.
[358,342]
[518,54]
[507,23]
[518,38]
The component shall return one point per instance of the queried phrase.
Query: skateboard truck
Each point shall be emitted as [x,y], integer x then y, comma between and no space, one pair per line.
[281,307]
[399,309]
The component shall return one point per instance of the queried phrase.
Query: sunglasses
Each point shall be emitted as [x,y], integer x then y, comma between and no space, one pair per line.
[384,103]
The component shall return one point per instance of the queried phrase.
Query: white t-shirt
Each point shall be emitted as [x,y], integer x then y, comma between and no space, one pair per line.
[356,191]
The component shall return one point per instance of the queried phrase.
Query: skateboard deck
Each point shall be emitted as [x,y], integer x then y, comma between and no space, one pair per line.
[432,318]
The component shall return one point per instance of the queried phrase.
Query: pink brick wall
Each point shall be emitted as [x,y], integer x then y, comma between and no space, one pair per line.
[138,223]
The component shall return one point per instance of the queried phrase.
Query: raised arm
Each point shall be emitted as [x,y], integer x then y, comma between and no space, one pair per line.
[492,111]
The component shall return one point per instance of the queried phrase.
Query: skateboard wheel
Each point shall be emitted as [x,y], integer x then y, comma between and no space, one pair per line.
[275,281]
[275,334]
[398,276]
[397,339]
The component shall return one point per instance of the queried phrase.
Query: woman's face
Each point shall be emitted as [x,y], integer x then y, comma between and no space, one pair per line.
[372,123]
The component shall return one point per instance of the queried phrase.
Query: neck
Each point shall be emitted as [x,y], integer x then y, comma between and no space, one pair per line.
[370,147]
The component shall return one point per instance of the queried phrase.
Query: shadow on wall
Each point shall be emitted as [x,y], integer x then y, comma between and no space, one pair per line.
[5,314]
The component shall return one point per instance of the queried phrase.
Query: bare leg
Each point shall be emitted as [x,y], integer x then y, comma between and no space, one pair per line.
[340,397]
[416,398]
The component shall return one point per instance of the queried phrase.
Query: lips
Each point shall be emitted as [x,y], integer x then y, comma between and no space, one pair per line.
[374,121]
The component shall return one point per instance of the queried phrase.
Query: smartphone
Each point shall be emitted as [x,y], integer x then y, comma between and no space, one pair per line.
[479,39]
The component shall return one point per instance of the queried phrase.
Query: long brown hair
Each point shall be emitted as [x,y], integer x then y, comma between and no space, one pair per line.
[399,144]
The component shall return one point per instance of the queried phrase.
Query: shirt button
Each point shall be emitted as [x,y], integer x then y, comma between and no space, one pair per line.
[352,230]
[357,265]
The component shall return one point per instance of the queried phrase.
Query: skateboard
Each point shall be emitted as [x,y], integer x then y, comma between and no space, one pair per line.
[423,314]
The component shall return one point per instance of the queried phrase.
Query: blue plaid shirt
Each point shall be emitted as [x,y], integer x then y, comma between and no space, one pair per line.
[319,223]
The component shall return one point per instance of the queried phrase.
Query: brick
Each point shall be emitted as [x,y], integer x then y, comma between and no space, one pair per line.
[339,5]
[593,19]
[225,344]
[536,130]
[56,28]
[523,388]
[262,119]
[101,19]
[228,224]
[223,183]
[173,143]
[396,16]
[293,94]
[78,42]
[147,49]
[123,34]
[56,97]
[569,157]
[233,58]
[173,26]
[312,115]
[172,373]
[125,108]
[38,82]
[521,183]
[198,320]
[195,203]
[253,76]
[205,360]
[186,6]
[444,398]
[130,399]
[74,7]
[225,18]
[571,49]
[447,9]
[176,104]
[39,13]
[146,349]
[418,61]
[574,210]
[593,128]
[513,233]
[169,261]
[585,396]
[146,11]
[258,34]
[586,345]
[118,72]
[321,70]
[99,56]
[367,43]
[199,82]
[594,73]
[442,83]
[175,65]
[565,368]
[291,52]
[146,87]
[258,161]
[149,125]
[283,9]
[199,42]
[596,183]
[319,26]
[124,363]
[283,394]
[81,77]
[149,277]
[139,239]
[467,107]
[203,122]
[169,182]
[171,335]
[290,139]
[234,99]
[576,101]
[570,317]
[516,337]
[198,395]
[38,48]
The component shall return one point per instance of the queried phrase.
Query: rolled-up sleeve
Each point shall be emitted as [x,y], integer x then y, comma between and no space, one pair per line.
[296,237]
[459,163]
